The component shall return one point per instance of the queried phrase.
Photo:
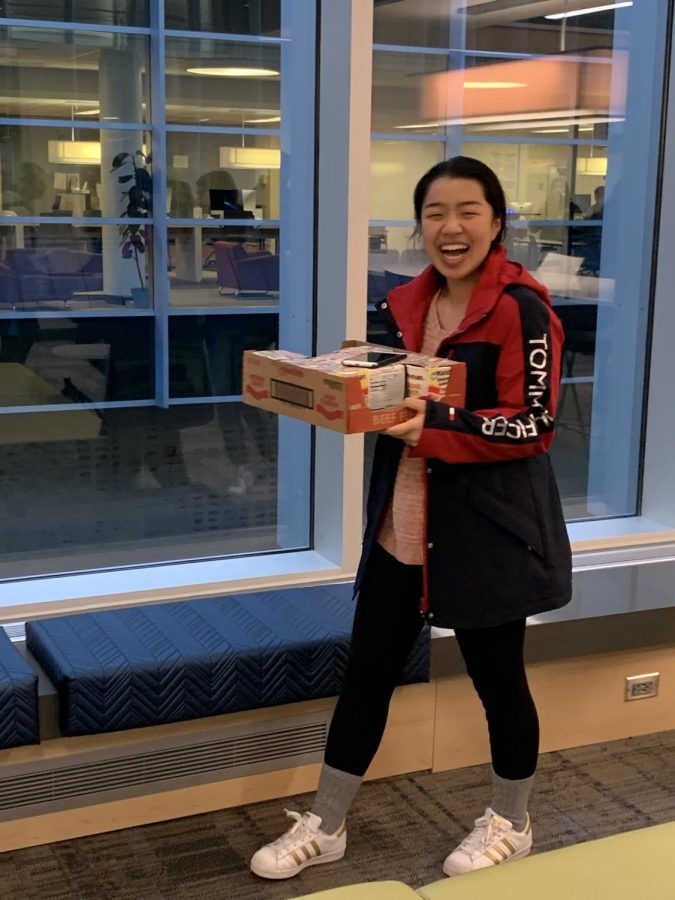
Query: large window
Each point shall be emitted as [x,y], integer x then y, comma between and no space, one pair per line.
[167,200]
[566,108]
[155,221]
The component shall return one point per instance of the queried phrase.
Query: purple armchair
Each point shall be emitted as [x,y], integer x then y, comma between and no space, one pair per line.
[237,270]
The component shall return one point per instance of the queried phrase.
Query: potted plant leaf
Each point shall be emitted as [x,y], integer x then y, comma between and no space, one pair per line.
[137,199]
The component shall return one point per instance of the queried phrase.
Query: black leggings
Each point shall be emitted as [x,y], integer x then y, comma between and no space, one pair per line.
[386,624]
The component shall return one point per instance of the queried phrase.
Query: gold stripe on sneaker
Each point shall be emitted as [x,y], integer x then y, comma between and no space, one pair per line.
[341,829]
[509,844]
[296,856]
[497,848]
[305,849]
[492,858]
[316,847]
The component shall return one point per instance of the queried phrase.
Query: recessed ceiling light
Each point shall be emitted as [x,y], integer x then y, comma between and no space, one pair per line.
[233,71]
[263,121]
[588,11]
[550,130]
[88,112]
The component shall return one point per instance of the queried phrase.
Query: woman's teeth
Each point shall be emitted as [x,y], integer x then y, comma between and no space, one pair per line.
[454,250]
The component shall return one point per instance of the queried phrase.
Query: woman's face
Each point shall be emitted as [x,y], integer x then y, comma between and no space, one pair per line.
[458,226]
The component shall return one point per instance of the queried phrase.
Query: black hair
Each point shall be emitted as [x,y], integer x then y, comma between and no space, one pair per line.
[465,167]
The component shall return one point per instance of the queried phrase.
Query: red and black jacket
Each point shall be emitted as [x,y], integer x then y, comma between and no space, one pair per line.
[496,538]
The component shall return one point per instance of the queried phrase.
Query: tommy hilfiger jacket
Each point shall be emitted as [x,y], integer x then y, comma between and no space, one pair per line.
[497,546]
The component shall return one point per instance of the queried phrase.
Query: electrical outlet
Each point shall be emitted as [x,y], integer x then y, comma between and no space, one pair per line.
[639,687]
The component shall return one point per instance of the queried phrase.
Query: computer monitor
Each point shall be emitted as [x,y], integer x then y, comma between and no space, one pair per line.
[226,202]
[583,201]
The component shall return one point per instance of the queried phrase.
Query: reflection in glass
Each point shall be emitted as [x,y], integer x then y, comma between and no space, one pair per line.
[498,28]
[136,485]
[98,12]
[224,265]
[79,75]
[261,17]
[220,83]
[205,352]
[223,175]
[417,93]
[58,361]
[54,266]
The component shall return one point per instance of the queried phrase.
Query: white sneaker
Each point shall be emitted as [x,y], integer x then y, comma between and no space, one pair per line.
[305,844]
[494,840]
[243,482]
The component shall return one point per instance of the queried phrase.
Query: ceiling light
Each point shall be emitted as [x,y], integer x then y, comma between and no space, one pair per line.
[263,121]
[424,125]
[550,130]
[592,165]
[233,71]
[478,85]
[88,112]
[249,158]
[591,9]
[82,153]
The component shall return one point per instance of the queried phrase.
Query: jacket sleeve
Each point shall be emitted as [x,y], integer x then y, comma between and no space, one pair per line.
[527,383]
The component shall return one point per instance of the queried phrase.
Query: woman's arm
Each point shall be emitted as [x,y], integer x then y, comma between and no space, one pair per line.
[527,383]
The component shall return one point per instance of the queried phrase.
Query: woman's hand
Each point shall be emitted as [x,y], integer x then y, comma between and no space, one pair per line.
[409,432]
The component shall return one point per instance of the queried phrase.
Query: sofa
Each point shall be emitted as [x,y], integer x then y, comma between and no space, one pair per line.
[635,864]
[31,277]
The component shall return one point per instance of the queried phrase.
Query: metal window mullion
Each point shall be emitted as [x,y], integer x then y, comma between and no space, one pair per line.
[223,129]
[454,134]
[95,124]
[478,54]
[68,312]
[225,37]
[160,227]
[74,407]
[46,25]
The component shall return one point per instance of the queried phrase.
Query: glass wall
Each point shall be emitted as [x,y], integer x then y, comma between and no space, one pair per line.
[566,109]
[151,218]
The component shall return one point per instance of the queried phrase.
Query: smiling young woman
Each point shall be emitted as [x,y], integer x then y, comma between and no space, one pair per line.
[465,527]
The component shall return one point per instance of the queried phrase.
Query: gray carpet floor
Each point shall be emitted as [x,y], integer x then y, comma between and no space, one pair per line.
[399,828]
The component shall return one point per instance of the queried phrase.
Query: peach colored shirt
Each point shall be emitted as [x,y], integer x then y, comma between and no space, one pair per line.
[402,529]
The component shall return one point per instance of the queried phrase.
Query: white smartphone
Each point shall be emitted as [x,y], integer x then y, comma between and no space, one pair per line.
[373,359]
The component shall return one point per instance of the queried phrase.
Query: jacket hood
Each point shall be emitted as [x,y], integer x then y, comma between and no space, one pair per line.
[409,302]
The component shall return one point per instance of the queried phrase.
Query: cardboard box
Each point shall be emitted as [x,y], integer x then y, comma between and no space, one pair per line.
[321,391]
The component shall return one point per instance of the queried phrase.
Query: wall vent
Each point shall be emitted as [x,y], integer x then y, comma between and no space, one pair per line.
[35,788]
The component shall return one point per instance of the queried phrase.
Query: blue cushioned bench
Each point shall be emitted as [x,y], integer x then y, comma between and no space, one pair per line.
[149,665]
[18,698]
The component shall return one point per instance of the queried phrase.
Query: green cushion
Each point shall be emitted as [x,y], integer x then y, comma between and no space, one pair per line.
[371,890]
[637,864]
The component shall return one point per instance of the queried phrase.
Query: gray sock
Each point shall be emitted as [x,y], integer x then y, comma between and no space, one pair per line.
[334,797]
[510,798]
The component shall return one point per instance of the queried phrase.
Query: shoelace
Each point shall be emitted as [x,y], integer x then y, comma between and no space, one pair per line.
[488,829]
[300,831]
